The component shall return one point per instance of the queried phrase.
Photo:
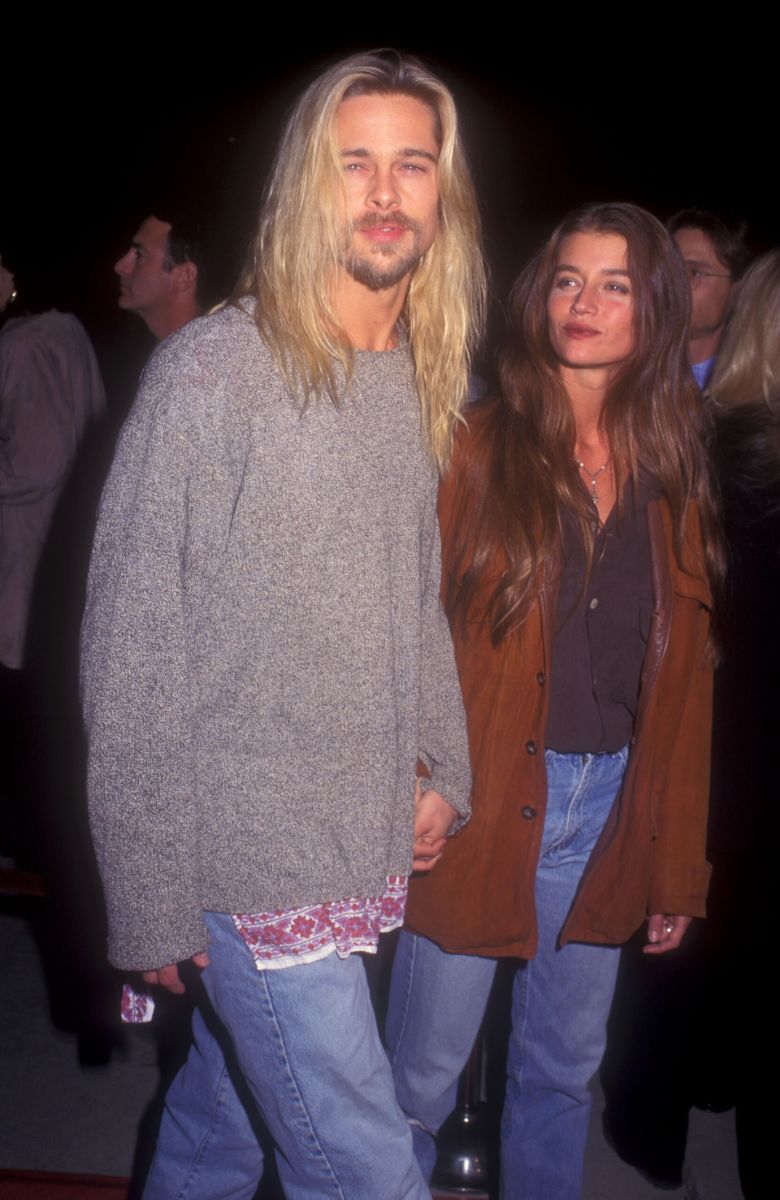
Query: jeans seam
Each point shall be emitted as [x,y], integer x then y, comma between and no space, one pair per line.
[517,1035]
[191,1179]
[294,1090]
[408,983]
[579,792]
[205,1141]
[521,1040]
[583,777]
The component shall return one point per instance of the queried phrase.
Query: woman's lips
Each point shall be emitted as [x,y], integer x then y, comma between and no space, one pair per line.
[580,332]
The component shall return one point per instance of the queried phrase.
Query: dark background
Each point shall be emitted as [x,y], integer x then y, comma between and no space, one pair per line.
[557,108]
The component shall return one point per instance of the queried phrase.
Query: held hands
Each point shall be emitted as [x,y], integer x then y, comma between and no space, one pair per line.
[664,932]
[433,820]
[169,978]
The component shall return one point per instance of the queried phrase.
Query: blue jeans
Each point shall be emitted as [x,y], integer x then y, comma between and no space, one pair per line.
[304,1051]
[560,1004]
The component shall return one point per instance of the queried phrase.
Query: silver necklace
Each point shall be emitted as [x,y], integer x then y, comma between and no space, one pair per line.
[592,476]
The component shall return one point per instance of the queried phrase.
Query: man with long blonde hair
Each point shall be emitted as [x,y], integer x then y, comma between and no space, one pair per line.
[265,657]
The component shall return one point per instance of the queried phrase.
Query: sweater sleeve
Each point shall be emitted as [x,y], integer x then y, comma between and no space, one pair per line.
[443,737]
[135,671]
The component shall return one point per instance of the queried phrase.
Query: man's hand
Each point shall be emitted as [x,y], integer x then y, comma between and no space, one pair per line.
[664,932]
[169,978]
[433,820]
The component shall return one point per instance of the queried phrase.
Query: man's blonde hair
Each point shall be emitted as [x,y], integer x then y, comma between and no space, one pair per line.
[300,247]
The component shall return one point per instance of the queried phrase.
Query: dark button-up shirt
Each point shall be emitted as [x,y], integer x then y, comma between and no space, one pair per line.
[601,628]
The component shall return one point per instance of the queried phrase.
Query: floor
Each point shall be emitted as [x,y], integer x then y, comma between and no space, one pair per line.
[57,1114]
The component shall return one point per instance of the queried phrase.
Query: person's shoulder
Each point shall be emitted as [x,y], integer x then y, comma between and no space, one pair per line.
[46,327]
[215,364]
[212,343]
[208,379]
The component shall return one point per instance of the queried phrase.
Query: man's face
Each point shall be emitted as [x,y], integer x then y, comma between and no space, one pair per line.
[711,281]
[389,156]
[145,275]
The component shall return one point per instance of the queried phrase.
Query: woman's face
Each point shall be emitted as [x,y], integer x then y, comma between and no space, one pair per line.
[6,286]
[590,309]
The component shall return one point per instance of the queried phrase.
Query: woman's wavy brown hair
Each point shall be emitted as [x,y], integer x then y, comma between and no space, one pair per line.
[523,471]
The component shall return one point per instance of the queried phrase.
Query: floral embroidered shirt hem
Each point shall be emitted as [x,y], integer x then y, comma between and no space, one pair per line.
[288,937]
[300,935]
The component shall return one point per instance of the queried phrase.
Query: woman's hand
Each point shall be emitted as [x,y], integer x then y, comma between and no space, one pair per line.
[665,932]
[434,818]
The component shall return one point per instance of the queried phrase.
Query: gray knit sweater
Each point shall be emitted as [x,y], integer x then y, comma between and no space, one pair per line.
[264,653]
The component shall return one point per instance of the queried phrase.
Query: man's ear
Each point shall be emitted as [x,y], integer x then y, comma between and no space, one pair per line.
[185,277]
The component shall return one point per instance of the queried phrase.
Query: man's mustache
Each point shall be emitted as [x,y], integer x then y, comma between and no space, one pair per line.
[377,220]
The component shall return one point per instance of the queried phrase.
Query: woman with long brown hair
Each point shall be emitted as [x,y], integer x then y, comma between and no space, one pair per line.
[580,554]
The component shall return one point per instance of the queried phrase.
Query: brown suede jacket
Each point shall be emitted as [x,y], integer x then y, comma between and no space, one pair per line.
[650,857]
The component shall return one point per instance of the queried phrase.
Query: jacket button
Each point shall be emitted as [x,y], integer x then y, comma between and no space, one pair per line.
[541,678]
[530,747]
[528,812]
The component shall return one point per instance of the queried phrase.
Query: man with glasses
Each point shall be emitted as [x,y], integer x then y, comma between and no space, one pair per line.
[716,254]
